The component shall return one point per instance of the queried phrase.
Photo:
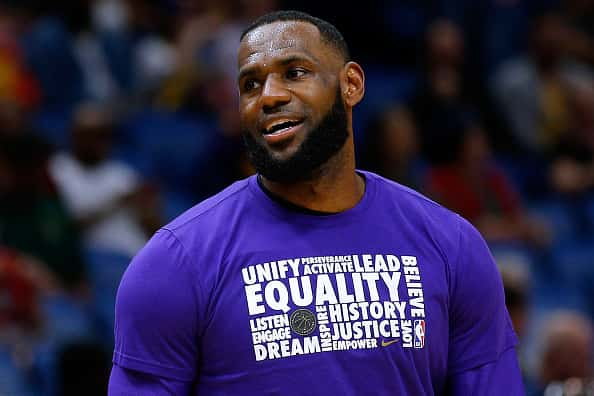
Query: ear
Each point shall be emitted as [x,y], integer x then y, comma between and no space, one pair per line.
[352,83]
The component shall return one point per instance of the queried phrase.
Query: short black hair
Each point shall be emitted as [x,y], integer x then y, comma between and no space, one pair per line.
[328,32]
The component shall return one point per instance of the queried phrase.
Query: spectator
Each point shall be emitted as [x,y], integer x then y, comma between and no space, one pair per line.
[445,45]
[580,14]
[572,169]
[572,165]
[114,208]
[472,185]
[531,91]
[567,344]
[32,217]
[392,147]
[443,94]
[104,50]
[20,281]
[206,44]
[138,40]
[49,53]
[17,85]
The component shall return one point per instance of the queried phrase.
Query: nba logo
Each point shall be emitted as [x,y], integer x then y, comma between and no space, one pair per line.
[419,327]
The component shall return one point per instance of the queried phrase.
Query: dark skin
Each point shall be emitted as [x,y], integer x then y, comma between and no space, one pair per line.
[287,73]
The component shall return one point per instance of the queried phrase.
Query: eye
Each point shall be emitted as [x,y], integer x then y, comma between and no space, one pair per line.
[249,85]
[296,73]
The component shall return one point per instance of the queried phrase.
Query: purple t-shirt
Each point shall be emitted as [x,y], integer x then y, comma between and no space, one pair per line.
[242,296]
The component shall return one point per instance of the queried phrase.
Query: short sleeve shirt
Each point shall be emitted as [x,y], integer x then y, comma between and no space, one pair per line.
[240,295]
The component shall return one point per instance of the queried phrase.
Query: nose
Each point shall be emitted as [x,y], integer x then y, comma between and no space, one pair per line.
[274,94]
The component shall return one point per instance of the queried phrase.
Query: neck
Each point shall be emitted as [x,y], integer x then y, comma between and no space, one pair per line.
[335,187]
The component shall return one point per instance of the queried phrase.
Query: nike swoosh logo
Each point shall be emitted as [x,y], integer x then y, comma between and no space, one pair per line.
[388,343]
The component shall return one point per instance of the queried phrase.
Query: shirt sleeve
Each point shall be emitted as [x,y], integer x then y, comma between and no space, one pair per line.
[124,382]
[501,377]
[480,327]
[156,314]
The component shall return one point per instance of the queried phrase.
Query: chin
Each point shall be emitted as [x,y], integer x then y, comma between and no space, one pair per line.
[283,154]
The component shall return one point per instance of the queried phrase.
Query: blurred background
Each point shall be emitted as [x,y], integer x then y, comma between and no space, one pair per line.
[117,115]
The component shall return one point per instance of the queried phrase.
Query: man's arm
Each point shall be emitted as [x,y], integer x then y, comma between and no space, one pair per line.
[501,377]
[482,358]
[124,382]
[157,322]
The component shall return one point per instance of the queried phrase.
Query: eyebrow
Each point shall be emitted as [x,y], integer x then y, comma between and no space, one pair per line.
[250,70]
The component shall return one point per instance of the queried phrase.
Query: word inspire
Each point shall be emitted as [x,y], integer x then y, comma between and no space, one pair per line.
[333,303]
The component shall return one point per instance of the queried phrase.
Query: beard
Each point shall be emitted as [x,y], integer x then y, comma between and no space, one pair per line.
[319,146]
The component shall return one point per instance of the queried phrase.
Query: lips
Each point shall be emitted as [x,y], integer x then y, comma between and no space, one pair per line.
[281,130]
[280,126]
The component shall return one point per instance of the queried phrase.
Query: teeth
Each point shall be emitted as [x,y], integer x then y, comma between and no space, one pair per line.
[280,130]
[277,128]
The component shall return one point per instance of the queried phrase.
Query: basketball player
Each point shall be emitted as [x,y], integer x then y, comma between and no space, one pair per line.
[312,277]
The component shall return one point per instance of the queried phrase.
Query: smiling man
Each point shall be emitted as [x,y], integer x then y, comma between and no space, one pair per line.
[312,277]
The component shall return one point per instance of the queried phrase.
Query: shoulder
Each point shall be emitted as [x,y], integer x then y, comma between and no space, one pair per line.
[208,224]
[159,311]
[221,204]
[192,242]
[425,221]
[198,237]
[412,204]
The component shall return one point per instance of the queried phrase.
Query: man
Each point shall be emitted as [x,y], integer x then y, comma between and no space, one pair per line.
[113,207]
[311,278]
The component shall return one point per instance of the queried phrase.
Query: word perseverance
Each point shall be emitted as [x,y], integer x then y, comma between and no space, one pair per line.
[282,269]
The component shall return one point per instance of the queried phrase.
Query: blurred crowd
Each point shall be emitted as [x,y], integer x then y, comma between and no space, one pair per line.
[117,115]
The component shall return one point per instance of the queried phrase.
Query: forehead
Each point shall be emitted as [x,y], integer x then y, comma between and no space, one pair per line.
[275,40]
